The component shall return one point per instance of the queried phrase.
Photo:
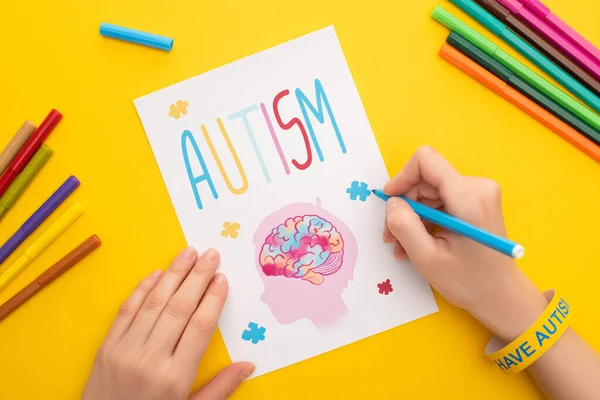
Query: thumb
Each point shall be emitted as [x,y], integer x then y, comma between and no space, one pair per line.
[225,382]
[408,229]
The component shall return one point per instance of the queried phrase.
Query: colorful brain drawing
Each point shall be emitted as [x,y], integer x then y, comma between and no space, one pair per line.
[307,247]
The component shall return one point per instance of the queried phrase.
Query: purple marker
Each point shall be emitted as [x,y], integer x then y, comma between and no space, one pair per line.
[38,217]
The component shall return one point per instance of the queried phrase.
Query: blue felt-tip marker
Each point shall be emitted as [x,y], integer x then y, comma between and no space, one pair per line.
[461,227]
[135,36]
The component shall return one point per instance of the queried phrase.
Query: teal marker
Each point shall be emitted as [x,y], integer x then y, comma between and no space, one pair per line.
[461,227]
[490,48]
[503,32]
[487,62]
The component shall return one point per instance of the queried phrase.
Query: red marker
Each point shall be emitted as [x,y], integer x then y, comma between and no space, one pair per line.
[32,145]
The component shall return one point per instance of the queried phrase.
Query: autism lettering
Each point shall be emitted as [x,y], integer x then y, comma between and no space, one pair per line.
[320,112]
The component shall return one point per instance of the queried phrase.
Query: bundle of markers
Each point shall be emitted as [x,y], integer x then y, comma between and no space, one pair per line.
[20,162]
[549,43]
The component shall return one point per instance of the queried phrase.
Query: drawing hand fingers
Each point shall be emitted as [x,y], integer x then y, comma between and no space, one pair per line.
[438,203]
[181,306]
[427,165]
[387,234]
[429,227]
[425,194]
[399,252]
[202,325]
[409,230]
[157,299]
[388,237]
[131,307]
[225,382]
[423,191]
[492,198]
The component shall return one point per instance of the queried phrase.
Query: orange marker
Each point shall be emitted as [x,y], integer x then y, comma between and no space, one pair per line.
[501,88]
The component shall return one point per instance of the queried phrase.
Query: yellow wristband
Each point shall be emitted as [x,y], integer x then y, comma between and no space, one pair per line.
[535,341]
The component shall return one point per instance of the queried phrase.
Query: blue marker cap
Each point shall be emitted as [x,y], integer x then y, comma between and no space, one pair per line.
[135,36]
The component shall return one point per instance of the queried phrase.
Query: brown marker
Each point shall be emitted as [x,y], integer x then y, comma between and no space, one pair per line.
[47,277]
[540,43]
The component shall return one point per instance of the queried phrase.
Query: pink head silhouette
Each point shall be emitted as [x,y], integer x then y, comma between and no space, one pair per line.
[305,257]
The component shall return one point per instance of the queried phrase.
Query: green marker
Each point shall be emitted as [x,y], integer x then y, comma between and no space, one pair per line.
[16,189]
[491,49]
[487,62]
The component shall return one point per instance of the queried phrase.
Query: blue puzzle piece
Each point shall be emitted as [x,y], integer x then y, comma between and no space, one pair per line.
[358,191]
[254,334]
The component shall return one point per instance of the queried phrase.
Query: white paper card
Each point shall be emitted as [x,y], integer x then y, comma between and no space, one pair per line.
[271,159]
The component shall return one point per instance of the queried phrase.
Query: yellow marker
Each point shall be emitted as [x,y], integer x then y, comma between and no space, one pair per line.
[41,243]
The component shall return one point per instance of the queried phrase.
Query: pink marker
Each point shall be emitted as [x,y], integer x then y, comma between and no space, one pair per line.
[564,44]
[544,12]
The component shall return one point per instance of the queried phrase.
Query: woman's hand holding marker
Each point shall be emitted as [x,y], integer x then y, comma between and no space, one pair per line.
[485,283]
[154,347]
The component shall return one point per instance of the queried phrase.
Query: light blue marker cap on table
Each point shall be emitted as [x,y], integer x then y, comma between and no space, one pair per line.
[135,36]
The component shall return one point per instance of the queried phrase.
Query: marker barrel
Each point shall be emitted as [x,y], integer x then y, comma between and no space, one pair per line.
[135,36]
[461,227]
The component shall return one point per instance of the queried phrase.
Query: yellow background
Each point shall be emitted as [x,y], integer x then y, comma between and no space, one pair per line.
[53,56]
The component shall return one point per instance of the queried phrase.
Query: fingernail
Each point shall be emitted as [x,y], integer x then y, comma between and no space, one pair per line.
[211,255]
[188,253]
[249,370]
[220,278]
[156,274]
